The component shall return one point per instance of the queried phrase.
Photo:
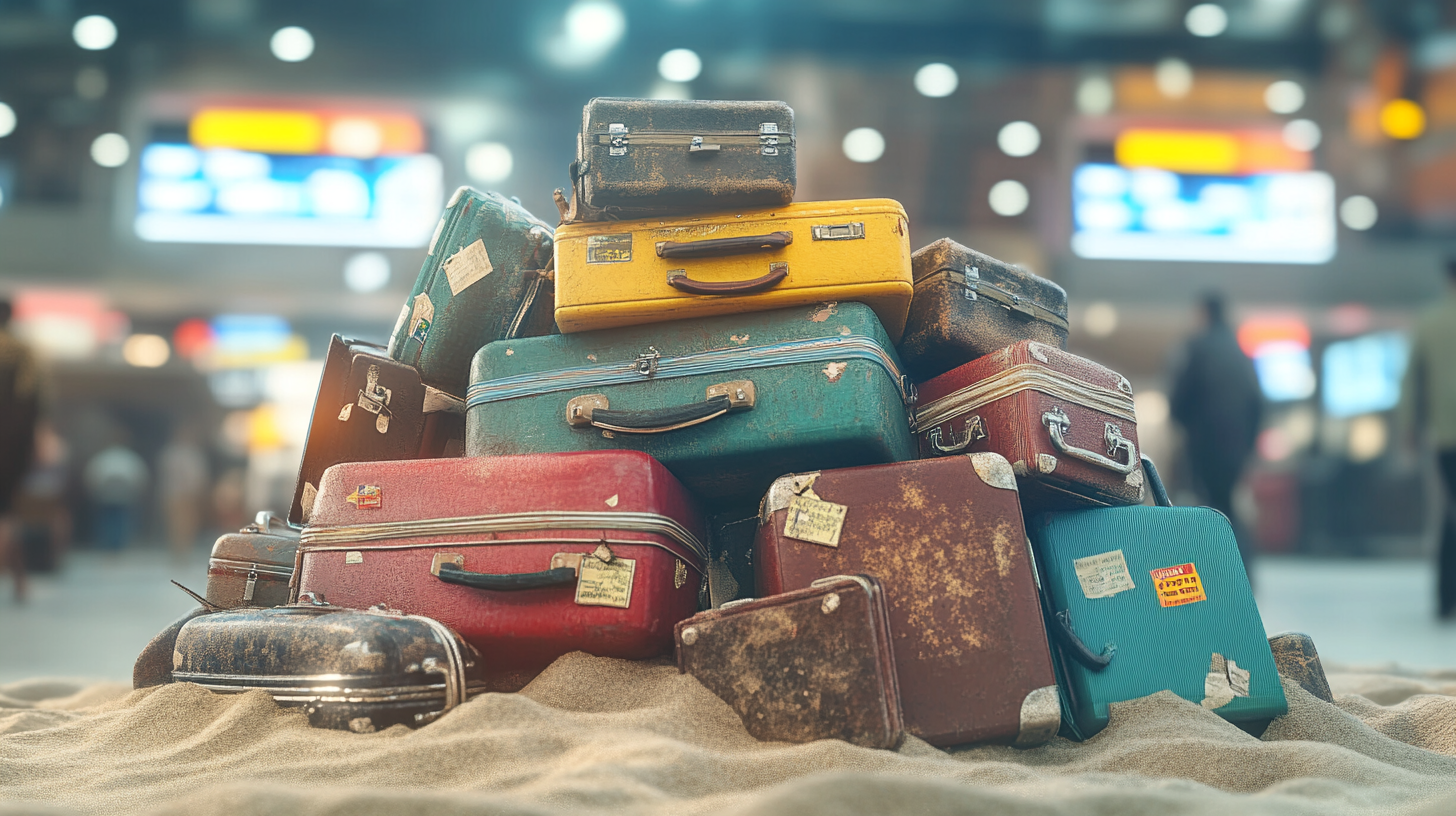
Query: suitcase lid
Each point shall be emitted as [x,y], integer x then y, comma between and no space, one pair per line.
[528,367]
[663,228]
[684,117]
[1017,290]
[268,543]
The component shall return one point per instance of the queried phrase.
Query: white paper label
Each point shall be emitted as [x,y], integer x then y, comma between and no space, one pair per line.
[606,583]
[467,266]
[1103,576]
[815,520]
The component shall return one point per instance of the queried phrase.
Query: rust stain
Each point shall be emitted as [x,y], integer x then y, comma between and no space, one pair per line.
[824,312]
[834,371]
[912,495]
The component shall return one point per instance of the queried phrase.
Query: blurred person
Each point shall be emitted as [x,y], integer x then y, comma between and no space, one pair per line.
[1428,414]
[19,410]
[1216,399]
[115,479]
[183,487]
[41,507]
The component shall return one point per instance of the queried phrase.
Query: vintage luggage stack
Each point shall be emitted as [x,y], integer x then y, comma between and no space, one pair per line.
[945,537]
[527,557]
[1143,599]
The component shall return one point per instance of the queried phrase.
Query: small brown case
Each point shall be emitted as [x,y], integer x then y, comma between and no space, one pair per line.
[254,566]
[1296,658]
[806,665]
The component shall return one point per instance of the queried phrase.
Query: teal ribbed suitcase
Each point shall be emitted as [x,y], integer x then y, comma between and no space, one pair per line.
[1143,599]
[728,403]
[484,279]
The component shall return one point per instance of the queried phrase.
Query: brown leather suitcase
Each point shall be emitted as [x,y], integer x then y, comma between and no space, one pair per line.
[945,536]
[807,665]
[1065,423]
[254,566]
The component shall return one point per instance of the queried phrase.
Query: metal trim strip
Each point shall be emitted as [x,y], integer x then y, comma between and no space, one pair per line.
[261,568]
[1024,377]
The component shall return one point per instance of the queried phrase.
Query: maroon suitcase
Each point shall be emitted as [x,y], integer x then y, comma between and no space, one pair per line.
[806,665]
[527,557]
[945,537]
[1065,423]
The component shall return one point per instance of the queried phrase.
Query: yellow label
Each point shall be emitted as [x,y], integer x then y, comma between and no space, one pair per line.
[606,249]
[815,520]
[605,583]
[1178,585]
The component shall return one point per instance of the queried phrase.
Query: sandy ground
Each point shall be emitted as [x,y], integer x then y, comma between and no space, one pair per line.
[594,735]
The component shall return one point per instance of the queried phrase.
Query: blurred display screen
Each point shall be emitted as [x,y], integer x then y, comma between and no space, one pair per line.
[1285,372]
[1362,376]
[1202,196]
[289,177]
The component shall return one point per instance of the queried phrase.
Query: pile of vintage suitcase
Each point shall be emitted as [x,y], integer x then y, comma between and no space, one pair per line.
[862,492]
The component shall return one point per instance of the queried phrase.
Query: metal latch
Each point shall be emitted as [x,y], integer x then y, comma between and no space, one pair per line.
[374,398]
[251,582]
[646,362]
[838,232]
[697,146]
[618,135]
[973,282]
[768,138]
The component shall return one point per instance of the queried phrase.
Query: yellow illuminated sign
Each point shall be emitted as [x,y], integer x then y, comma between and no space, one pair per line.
[1208,153]
[261,131]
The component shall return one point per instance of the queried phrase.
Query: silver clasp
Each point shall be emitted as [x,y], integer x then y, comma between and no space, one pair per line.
[646,362]
[973,282]
[768,138]
[375,399]
[618,135]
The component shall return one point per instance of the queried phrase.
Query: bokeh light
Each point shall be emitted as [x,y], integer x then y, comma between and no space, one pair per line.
[1018,139]
[1009,198]
[110,150]
[864,145]
[936,80]
[94,32]
[1359,213]
[489,162]
[1402,119]
[1206,20]
[680,65]
[292,44]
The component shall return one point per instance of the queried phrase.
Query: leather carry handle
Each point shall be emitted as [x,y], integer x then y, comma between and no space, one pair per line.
[1155,484]
[1076,648]
[679,280]
[1058,423]
[452,573]
[593,410]
[722,247]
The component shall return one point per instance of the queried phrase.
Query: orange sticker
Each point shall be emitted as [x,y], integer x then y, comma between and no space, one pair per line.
[1176,586]
[366,497]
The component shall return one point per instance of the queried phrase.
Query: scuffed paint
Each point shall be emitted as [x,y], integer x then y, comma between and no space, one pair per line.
[834,371]
[824,312]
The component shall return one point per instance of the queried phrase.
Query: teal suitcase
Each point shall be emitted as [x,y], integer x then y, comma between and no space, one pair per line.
[486,277]
[1142,599]
[727,403]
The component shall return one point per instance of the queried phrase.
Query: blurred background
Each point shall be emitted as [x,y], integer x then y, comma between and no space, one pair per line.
[194,194]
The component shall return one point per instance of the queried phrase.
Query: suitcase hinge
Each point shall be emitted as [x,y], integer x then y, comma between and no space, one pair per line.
[374,398]
[646,362]
[973,282]
[768,138]
[618,134]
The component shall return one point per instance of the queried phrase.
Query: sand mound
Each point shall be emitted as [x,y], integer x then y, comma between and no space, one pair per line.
[594,735]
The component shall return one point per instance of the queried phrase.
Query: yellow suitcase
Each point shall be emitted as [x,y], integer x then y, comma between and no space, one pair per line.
[626,273]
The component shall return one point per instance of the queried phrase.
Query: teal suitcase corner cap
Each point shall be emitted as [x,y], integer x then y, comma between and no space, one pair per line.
[1145,599]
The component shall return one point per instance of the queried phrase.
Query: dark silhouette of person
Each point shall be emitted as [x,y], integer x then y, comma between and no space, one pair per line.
[19,410]
[1428,413]
[1216,399]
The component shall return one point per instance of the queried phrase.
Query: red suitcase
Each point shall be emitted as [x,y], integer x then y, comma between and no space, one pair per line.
[527,557]
[1065,423]
[945,538]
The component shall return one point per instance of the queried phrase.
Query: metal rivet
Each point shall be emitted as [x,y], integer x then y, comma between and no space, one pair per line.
[741,395]
[690,636]
[831,603]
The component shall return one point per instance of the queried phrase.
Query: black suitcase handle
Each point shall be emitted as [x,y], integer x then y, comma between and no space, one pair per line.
[1076,648]
[720,247]
[724,398]
[679,280]
[455,574]
[1155,484]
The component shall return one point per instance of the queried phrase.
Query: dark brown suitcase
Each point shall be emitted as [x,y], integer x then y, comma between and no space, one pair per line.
[967,305]
[254,566]
[1296,658]
[1066,424]
[370,408]
[945,536]
[806,665]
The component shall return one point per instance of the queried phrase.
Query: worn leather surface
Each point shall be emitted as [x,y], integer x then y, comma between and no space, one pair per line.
[952,555]
[669,180]
[520,632]
[153,666]
[226,583]
[1014,428]
[1296,658]
[356,438]
[946,329]
[802,666]
[1157,647]
[518,247]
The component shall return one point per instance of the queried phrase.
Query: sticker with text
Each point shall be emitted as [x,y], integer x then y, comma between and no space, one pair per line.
[1178,585]
[814,520]
[605,583]
[366,497]
[1103,576]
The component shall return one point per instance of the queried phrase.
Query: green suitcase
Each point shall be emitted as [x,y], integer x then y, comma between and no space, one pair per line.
[728,403]
[1143,599]
[486,277]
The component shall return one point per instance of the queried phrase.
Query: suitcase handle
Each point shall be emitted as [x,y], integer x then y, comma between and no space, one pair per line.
[1155,483]
[724,398]
[452,573]
[720,247]
[679,280]
[1057,423]
[1076,648]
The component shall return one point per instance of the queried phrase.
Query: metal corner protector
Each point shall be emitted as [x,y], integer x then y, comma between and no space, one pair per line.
[1041,715]
[993,469]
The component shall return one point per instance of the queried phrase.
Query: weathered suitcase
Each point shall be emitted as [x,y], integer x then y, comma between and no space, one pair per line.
[153,667]
[1144,599]
[370,408]
[805,665]
[625,273]
[485,278]
[1296,658]
[642,157]
[527,557]
[945,537]
[728,403]
[1065,423]
[967,305]
[254,566]
[356,670]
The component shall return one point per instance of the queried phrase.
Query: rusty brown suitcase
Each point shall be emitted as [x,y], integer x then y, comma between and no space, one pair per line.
[946,538]
[806,665]
[967,305]
[1065,423]
[254,566]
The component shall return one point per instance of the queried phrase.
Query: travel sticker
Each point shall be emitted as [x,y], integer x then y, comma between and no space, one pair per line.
[1176,586]
[607,249]
[814,520]
[1103,576]
[366,497]
[467,266]
[605,583]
